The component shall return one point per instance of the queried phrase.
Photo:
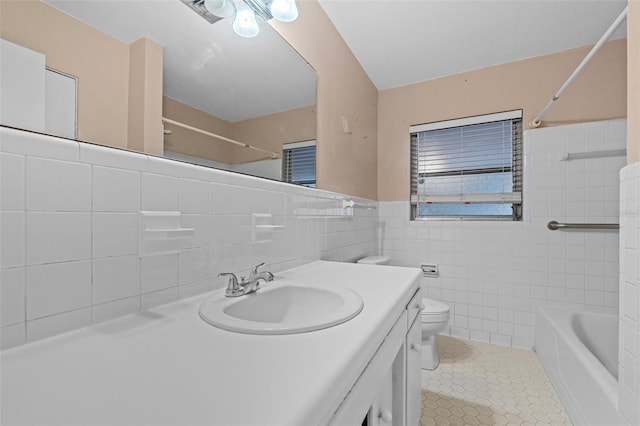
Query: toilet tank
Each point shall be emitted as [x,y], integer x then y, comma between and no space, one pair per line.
[375,260]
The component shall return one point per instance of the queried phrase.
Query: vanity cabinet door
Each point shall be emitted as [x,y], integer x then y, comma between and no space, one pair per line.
[381,411]
[414,375]
[385,410]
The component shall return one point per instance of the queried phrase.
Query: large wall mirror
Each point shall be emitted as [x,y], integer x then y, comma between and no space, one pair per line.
[257,91]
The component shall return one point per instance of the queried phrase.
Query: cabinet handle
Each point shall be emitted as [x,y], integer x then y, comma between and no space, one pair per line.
[414,347]
[385,416]
[420,306]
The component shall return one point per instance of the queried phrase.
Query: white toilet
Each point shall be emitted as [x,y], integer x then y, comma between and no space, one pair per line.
[435,318]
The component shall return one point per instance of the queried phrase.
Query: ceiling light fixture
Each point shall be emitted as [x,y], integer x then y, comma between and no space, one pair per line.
[245,23]
[220,8]
[284,10]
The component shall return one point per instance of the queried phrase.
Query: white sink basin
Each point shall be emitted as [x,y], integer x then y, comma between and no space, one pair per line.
[283,308]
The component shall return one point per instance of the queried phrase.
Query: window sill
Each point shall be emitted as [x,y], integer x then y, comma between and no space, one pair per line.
[467,218]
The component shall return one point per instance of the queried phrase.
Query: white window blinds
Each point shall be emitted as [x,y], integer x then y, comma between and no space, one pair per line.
[468,168]
[299,163]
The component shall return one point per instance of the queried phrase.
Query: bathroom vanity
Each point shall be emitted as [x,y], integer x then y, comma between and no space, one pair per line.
[167,366]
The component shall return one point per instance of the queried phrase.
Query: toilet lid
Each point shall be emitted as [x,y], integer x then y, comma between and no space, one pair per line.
[433,307]
[375,260]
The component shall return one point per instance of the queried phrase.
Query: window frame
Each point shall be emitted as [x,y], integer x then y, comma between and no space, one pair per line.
[514,197]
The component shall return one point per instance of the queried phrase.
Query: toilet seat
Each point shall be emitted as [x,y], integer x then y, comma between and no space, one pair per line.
[434,307]
[434,311]
[434,318]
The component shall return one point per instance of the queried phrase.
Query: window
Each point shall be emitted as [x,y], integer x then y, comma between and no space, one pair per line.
[299,163]
[468,168]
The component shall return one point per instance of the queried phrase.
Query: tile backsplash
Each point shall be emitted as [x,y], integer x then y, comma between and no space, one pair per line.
[70,250]
[70,227]
[494,275]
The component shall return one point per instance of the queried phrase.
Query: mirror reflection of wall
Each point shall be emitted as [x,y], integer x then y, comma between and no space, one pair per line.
[34,96]
[136,62]
[60,104]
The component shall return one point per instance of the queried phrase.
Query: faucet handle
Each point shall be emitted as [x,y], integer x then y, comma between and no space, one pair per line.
[233,288]
[254,270]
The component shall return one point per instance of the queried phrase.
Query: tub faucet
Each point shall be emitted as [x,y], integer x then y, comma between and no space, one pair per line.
[247,285]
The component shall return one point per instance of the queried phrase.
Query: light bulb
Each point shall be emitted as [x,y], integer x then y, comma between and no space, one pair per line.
[220,8]
[284,10]
[245,23]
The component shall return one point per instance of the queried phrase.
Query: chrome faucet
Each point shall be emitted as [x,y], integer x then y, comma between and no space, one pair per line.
[244,285]
[255,276]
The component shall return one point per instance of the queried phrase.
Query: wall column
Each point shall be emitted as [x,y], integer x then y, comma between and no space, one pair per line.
[347,104]
[145,97]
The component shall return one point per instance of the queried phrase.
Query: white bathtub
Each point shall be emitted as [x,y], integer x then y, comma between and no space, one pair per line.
[579,352]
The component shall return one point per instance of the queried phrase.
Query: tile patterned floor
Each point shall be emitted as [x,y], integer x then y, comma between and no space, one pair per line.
[482,384]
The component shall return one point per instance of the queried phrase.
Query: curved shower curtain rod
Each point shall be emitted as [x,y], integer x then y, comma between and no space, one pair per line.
[538,120]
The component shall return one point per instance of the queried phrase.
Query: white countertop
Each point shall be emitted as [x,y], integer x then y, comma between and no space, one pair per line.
[166,366]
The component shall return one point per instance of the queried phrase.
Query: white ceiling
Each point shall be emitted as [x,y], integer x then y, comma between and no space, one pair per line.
[208,66]
[399,42]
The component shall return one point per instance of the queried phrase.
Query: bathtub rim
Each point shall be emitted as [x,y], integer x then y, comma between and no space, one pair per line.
[559,320]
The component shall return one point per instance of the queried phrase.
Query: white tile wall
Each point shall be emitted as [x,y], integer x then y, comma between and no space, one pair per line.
[54,185]
[57,237]
[160,272]
[97,155]
[115,278]
[114,234]
[57,287]
[13,292]
[629,332]
[495,274]
[200,225]
[59,323]
[117,308]
[194,265]
[12,243]
[160,192]
[11,181]
[68,262]
[194,196]
[69,254]
[115,190]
